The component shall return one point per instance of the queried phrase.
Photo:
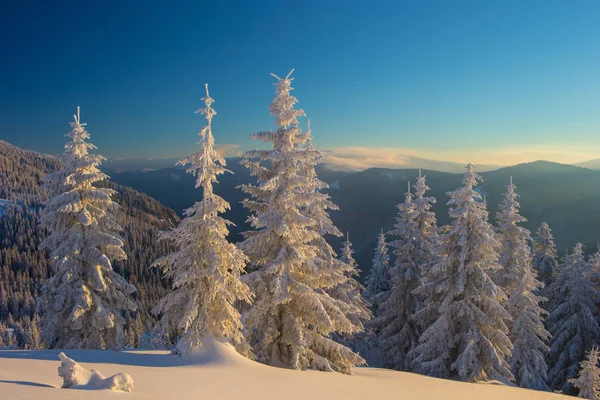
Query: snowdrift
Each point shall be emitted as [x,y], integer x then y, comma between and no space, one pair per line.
[76,377]
[218,372]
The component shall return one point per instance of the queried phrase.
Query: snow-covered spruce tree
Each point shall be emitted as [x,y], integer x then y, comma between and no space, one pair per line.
[515,251]
[427,239]
[528,335]
[595,267]
[206,268]
[573,321]
[379,279]
[588,380]
[468,339]
[544,259]
[527,331]
[83,304]
[293,314]
[398,331]
[350,290]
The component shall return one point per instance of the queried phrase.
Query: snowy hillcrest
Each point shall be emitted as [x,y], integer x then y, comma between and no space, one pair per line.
[221,373]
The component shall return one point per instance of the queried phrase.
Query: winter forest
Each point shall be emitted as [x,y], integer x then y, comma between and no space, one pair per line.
[480,299]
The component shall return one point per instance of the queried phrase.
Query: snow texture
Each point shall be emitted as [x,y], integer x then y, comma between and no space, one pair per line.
[77,377]
[222,373]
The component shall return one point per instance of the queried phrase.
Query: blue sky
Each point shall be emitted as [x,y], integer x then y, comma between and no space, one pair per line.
[453,80]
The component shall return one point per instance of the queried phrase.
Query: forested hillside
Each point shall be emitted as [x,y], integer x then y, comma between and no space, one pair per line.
[24,268]
[564,196]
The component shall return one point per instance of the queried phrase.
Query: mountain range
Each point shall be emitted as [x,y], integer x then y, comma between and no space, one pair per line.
[565,196]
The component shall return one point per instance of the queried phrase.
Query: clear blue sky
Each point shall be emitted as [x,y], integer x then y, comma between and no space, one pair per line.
[436,77]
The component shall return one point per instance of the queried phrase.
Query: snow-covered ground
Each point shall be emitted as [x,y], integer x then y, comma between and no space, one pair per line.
[220,373]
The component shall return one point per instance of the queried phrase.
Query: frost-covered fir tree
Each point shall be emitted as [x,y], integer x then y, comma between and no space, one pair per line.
[319,204]
[573,321]
[595,267]
[527,331]
[515,252]
[379,279]
[84,304]
[528,335]
[427,239]
[206,268]
[398,331]
[293,314]
[350,290]
[544,258]
[468,339]
[588,380]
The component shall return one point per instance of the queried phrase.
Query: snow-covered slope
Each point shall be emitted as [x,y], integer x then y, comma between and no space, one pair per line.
[220,373]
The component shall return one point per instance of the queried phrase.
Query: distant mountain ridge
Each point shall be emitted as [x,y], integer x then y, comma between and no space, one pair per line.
[591,164]
[565,196]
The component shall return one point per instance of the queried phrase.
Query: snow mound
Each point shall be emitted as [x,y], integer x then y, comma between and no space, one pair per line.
[76,377]
[213,352]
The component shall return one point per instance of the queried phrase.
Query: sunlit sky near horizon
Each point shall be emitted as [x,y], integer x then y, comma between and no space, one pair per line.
[494,82]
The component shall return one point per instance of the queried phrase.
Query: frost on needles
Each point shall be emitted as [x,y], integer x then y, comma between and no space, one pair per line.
[206,268]
[84,304]
[527,331]
[398,331]
[293,315]
[469,337]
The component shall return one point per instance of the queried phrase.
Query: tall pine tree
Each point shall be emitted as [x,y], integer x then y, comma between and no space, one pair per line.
[527,331]
[588,380]
[398,331]
[293,314]
[514,254]
[573,320]
[350,291]
[468,339]
[426,227]
[85,303]
[544,258]
[205,270]
[379,279]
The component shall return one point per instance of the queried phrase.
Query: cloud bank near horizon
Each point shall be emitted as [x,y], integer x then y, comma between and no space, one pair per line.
[361,158]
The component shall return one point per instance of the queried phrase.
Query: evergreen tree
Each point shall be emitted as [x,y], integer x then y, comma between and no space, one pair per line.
[528,335]
[32,333]
[398,332]
[427,240]
[595,268]
[84,303]
[293,314]
[319,203]
[350,290]
[588,380]
[468,339]
[544,259]
[573,321]
[206,268]
[379,280]
[514,254]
